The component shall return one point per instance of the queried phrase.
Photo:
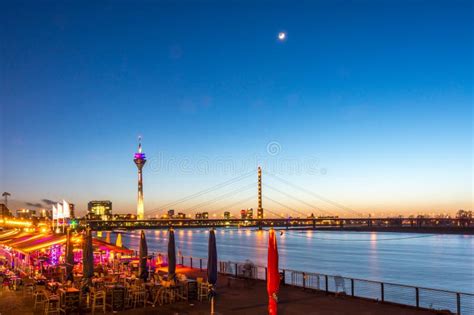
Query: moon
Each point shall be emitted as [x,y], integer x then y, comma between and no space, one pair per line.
[281,36]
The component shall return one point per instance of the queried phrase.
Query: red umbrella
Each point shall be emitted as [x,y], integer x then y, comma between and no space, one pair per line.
[273,274]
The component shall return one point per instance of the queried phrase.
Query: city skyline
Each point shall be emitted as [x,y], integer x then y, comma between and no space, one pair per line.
[338,107]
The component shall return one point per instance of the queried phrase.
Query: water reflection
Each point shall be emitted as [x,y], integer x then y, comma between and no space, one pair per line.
[414,259]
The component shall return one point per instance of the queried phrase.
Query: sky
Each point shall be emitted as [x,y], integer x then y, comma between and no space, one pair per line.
[365,107]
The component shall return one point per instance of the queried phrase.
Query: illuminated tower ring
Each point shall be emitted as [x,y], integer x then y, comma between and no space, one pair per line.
[140,160]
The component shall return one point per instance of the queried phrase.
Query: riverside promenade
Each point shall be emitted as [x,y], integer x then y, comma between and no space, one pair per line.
[241,298]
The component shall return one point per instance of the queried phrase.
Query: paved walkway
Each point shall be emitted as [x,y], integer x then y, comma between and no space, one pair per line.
[239,299]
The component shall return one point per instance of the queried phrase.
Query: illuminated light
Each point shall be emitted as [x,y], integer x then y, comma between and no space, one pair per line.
[55,254]
[281,36]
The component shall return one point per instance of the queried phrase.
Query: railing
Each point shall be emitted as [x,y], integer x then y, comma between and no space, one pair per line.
[419,297]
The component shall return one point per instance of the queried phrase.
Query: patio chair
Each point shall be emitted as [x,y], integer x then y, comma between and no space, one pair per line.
[138,295]
[203,288]
[40,296]
[28,286]
[98,299]
[51,305]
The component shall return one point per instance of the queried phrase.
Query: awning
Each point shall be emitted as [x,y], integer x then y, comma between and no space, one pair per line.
[103,246]
[46,241]
[21,239]
[29,242]
[7,235]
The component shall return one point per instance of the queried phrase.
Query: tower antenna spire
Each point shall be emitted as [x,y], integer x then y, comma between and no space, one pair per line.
[139,144]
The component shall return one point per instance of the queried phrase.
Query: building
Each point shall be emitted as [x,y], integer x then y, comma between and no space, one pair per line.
[198,215]
[205,215]
[44,214]
[181,215]
[4,211]
[227,215]
[26,213]
[140,160]
[243,214]
[72,213]
[250,213]
[99,210]
[171,213]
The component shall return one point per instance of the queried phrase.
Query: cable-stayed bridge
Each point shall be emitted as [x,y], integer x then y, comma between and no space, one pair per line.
[313,210]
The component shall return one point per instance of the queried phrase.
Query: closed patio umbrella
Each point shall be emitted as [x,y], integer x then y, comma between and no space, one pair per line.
[273,275]
[143,256]
[107,237]
[171,256]
[87,262]
[212,266]
[69,257]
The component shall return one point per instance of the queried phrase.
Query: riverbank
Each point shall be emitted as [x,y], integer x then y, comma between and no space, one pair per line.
[240,298]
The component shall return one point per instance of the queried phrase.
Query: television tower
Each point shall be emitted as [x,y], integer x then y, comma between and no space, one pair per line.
[140,160]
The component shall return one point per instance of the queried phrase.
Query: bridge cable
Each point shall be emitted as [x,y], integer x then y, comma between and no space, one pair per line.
[334,203]
[202,192]
[234,204]
[285,206]
[207,202]
[302,201]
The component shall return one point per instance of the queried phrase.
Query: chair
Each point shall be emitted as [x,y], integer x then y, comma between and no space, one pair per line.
[51,305]
[40,296]
[159,296]
[138,295]
[28,286]
[98,299]
[128,296]
[203,288]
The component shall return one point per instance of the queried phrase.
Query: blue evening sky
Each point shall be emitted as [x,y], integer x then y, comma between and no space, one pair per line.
[367,103]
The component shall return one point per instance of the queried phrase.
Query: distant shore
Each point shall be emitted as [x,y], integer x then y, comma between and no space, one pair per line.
[408,229]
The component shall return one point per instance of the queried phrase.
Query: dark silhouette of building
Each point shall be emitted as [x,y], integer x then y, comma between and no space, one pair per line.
[4,211]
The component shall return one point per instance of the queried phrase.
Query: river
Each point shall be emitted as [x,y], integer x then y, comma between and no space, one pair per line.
[426,260]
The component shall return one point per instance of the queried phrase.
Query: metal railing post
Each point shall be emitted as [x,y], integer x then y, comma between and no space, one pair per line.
[458,303]
[326,280]
[236,270]
[284,276]
[266,271]
[417,297]
[304,280]
[352,287]
[382,292]
[200,264]
[191,261]
[182,260]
